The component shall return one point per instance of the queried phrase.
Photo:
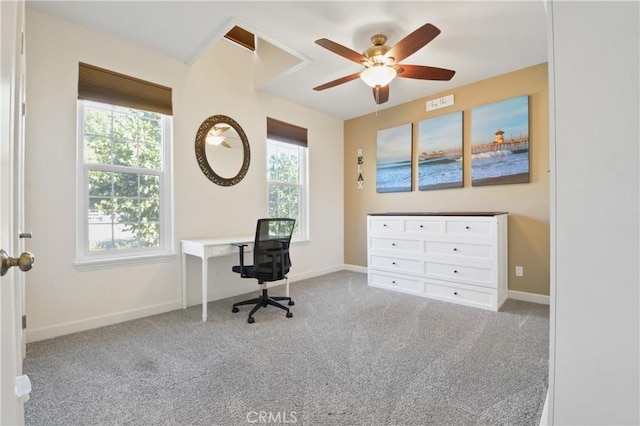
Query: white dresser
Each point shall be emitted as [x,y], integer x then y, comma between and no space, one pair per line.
[455,257]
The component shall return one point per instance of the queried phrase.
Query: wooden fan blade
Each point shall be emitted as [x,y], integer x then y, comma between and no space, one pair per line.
[337,81]
[413,42]
[339,49]
[381,94]
[425,73]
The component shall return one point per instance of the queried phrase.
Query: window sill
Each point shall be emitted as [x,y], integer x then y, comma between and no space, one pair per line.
[118,262]
[300,240]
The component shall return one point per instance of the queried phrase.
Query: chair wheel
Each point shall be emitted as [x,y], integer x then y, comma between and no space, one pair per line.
[234,310]
[289,314]
[251,320]
[291,303]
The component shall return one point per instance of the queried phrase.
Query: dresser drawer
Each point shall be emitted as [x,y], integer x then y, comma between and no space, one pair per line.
[471,274]
[480,298]
[385,224]
[396,283]
[481,251]
[396,264]
[425,226]
[468,227]
[395,244]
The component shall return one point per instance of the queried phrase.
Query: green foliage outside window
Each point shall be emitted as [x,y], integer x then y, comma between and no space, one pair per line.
[123,157]
[284,188]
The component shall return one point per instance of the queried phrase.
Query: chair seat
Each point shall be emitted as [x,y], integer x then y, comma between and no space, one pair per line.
[261,274]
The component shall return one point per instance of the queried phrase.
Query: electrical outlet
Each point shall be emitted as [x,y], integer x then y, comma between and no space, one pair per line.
[519,271]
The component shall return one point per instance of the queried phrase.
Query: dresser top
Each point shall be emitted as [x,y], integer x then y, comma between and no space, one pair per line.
[438,214]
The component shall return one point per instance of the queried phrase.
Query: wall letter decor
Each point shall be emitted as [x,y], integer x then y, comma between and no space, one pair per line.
[359,169]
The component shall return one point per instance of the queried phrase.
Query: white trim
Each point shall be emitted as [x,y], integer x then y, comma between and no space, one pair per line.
[528,297]
[511,294]
[544,418]
[303,185]
[293,278]
[316,273]
[33,335]
[356,268]
[95,260]
[97,264]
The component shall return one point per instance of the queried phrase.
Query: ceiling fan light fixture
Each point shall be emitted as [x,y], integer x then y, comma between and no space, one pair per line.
[378,75]
[214,140]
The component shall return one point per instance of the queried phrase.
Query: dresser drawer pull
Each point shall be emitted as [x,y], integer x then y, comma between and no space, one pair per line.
[393,282]
[455,293]
[421,226]
[455,271]
[467,227]
[455,249]
[385,225]
[393,244]
[393,263]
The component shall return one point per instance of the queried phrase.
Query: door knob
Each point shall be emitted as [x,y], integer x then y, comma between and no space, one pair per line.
[24,262]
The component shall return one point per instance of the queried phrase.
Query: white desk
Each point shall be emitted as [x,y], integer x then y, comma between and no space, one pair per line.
[204,249]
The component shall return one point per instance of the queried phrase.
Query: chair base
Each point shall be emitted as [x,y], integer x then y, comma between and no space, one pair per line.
[262,302]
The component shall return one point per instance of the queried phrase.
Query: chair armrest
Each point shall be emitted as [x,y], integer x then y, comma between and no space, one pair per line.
[241,246]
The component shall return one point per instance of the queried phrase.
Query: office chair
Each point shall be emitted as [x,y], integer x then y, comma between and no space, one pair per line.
[271,262]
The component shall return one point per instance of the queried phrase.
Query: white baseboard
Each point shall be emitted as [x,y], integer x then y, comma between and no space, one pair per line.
[511,294]
[528,297]
[544,418]
[316,273]
[355,268]
[33,335]
[49,332]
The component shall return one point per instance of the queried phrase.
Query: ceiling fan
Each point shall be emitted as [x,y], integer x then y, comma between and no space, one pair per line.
[215,137]
[381,62]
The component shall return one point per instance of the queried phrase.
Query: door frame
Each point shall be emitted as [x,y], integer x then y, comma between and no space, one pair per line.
[11,118]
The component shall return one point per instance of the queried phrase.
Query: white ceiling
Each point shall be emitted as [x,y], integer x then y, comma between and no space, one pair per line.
[479,39]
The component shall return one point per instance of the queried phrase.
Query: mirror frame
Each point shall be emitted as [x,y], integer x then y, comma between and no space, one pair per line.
[201,154]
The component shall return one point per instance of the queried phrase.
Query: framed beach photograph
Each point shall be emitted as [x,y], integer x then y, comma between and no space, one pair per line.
[393,164]
[500,142]
[440,152]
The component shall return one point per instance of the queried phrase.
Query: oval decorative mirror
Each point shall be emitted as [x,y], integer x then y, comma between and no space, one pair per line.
[222,150]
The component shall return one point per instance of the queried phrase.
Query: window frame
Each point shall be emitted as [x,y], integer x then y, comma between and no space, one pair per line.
[303,159]
[87,260]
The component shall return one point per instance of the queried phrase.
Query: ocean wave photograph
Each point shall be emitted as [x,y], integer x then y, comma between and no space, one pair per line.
[440,152]
[500,142]
[393,163]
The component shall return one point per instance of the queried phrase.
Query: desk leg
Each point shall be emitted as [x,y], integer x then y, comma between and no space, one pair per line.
[184,281]
[205,265]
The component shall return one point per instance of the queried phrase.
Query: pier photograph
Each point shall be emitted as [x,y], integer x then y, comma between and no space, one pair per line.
[500,142]
[393,162]
[439,155]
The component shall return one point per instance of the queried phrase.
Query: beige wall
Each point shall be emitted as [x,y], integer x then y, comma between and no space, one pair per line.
[527,204]
[62,299]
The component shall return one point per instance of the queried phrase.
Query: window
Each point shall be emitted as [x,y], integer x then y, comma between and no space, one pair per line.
[124,191]
[287,178]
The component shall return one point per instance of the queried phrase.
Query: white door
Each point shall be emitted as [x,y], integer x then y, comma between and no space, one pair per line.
[12,383]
